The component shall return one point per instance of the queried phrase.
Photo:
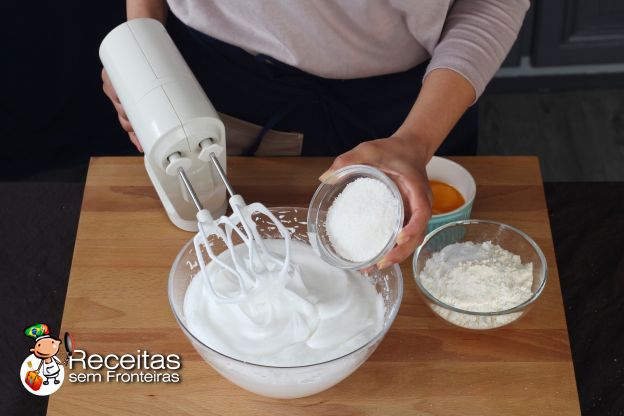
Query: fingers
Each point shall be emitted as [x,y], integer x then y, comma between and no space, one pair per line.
[125,123]
[416,192]
[363,153]
[400,252]
[341,161]
[134,139]
[417,195]
[406,242]
[107,86]
[367,152]
[120,110]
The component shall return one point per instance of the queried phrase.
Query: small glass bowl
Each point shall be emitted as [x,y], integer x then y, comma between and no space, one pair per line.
[323,199]
[479,231]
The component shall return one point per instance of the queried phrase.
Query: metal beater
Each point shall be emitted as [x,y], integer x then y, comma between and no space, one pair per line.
[259,259]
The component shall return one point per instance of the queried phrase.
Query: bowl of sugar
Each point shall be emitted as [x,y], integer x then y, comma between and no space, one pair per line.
[299,336]
[479,274]
[453,189]
[355,217]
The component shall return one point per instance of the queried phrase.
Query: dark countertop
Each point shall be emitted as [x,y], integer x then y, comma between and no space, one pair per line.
[38,228]
[587,221]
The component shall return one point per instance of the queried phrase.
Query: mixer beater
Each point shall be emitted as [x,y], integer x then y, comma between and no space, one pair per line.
[258,260]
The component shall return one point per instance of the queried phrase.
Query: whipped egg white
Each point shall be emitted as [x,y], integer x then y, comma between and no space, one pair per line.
[316,314]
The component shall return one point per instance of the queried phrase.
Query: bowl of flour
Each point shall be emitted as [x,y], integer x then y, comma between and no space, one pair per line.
[479,274]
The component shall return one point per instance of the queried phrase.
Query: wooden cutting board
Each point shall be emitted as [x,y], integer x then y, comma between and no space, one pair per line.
[117,303]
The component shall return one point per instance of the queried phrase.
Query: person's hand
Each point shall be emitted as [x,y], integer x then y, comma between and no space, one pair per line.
[403,159]
[154,9]
[107,86]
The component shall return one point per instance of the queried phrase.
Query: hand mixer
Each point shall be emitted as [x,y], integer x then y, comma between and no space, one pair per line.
[184,143]
[173,119]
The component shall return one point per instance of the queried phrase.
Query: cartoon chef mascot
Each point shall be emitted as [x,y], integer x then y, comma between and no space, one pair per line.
[45,349]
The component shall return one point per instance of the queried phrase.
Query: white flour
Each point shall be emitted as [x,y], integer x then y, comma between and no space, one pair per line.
[361,219]
[479,278]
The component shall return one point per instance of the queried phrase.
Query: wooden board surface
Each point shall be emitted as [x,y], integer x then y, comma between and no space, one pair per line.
[117,303]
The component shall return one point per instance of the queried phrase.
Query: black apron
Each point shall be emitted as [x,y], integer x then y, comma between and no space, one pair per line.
[333,115]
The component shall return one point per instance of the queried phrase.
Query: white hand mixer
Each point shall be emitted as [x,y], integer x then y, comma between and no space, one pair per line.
[173,119]
[182,135]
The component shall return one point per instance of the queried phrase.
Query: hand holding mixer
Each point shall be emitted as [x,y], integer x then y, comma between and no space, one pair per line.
[184,144]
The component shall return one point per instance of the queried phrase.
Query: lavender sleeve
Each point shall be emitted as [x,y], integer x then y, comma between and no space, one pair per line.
[476,37]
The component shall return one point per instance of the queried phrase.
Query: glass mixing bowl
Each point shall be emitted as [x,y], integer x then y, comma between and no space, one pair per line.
[479,231]
[282,382]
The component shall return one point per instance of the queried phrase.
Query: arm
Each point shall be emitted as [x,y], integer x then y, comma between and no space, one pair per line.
[476,37]
[156,9]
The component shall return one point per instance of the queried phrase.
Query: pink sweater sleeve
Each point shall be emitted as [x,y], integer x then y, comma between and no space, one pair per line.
[476,37]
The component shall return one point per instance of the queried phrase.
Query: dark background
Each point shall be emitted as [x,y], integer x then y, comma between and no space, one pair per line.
[53,113]
[559,97]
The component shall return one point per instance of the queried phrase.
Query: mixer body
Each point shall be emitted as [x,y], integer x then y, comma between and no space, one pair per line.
[171,115]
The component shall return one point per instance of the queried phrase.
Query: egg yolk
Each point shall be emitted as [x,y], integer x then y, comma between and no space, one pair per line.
[445,198]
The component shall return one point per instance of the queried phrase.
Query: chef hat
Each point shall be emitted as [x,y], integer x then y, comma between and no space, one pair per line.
[38,331]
